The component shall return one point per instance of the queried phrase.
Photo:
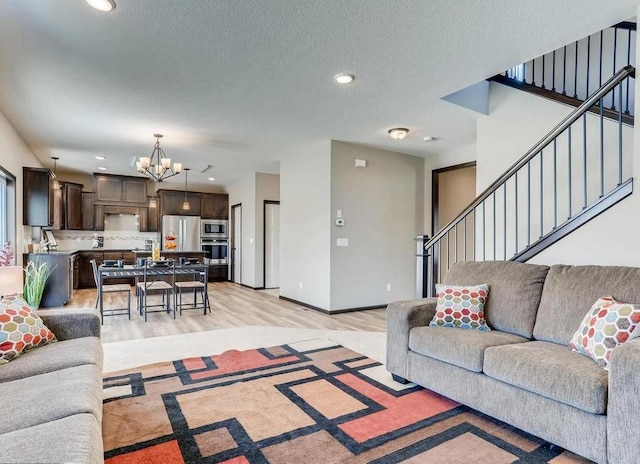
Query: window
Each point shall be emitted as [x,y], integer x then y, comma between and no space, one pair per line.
[8,223]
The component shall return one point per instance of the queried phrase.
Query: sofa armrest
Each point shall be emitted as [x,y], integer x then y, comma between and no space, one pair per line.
[402,316]
[623,410]
[71,323]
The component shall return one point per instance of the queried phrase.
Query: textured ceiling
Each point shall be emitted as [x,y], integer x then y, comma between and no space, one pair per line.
[238,83]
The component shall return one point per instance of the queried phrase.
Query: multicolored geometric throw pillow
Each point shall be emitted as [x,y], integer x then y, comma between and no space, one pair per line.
[461,307]
[21,329]
[608,324]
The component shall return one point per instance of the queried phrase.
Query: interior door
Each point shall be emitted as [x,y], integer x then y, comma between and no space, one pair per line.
[236,246]
[271,245]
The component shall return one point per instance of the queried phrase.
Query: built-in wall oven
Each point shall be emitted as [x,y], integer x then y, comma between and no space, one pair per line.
[214,228]
[215,250]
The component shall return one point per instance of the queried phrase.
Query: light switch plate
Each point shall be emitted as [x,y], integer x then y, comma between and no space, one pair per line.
[342,242]
[339,222]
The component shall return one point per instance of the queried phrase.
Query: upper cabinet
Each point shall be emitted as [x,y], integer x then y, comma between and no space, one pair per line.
[120,189]
[88,211]
[214,206]
[37,197]
[171,202]
[72,202]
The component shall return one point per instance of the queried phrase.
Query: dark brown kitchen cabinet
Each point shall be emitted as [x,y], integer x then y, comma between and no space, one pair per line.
[214,206]
[143,214]
[86,271]
[72,206]
[88,214]
[171,202]
[98,219]
[120,189]
[37,197]
[152,218]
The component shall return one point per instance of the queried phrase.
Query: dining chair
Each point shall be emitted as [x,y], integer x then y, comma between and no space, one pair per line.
[111,288]
[197,285]
[157,279]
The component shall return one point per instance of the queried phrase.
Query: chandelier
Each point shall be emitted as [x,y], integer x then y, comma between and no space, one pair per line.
[158,166]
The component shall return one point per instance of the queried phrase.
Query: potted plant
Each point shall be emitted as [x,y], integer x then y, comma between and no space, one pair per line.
[36,274]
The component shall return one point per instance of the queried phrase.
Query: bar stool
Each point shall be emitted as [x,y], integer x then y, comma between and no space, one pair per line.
[111,288]
[157,279]
[197,285]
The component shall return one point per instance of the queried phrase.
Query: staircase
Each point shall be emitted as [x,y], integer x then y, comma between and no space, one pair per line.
[579,169]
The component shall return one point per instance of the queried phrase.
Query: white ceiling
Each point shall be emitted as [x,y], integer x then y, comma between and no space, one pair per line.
[238,83]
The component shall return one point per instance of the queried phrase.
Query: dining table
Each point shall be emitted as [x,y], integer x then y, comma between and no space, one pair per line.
[136,272]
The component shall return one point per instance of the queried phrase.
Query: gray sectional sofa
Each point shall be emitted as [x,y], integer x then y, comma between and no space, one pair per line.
[51,397]
[522,371]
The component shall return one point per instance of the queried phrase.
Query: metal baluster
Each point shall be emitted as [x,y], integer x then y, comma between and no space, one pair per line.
[543,68]
[588,65]
[515,214]
[569,172]
[494,225]
[455,245]
[600,67]
[448,251]
[584,159]
[475,245]
[628,63]
[620,136]
[533,71]
[553,73]
[615,47]
[528,202]
[575,74]
[484,231]
[564,71]
[555,184]
[601,149]
[465,237]
[504,220]
[524,72]
[541,192]
[440,259]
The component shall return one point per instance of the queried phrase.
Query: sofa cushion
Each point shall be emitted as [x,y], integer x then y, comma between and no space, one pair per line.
[53,357]
[461,307]
[21,329]
[515,291]
[462,348]
[569,292]
[74,438]
[46,397]
[550,370]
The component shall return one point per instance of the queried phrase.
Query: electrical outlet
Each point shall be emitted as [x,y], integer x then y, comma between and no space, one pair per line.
[300,285]
[388,287]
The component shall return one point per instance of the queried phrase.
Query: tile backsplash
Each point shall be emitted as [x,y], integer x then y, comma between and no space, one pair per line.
[82,239]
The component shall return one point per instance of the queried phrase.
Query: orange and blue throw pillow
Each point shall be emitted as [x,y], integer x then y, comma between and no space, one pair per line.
[461,307]
[21,329]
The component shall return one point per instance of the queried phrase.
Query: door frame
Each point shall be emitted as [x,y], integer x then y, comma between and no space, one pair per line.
[264,240]
[434,191]
[233,249]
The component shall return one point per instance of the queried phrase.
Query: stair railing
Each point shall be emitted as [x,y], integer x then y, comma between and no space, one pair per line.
[577,69]
[579,167]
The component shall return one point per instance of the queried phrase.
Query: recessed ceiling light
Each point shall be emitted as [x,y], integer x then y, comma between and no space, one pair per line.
[101,158]
[102,5]
[344,78]
[428,138]
[398,133]
[102,168]
[212,179]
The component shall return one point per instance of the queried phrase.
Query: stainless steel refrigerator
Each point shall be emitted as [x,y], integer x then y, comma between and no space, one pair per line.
[185,229]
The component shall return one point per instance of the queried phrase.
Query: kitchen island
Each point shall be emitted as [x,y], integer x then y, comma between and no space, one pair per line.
[64,278]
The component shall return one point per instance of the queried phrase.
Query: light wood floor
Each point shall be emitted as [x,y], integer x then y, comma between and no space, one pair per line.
[231,306]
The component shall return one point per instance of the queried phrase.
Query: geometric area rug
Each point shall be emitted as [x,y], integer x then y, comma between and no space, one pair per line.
[307,402]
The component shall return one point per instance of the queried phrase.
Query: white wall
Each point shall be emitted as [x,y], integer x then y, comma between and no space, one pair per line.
[14,154]
[382,206]
[244,192]
[305,224]
[517,120]
[267,188]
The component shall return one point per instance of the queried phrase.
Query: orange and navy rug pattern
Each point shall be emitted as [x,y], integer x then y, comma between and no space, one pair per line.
[307,402]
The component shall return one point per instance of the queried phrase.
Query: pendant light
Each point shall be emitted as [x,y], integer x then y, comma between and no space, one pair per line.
[185,205]
[56,184]
[153,200]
